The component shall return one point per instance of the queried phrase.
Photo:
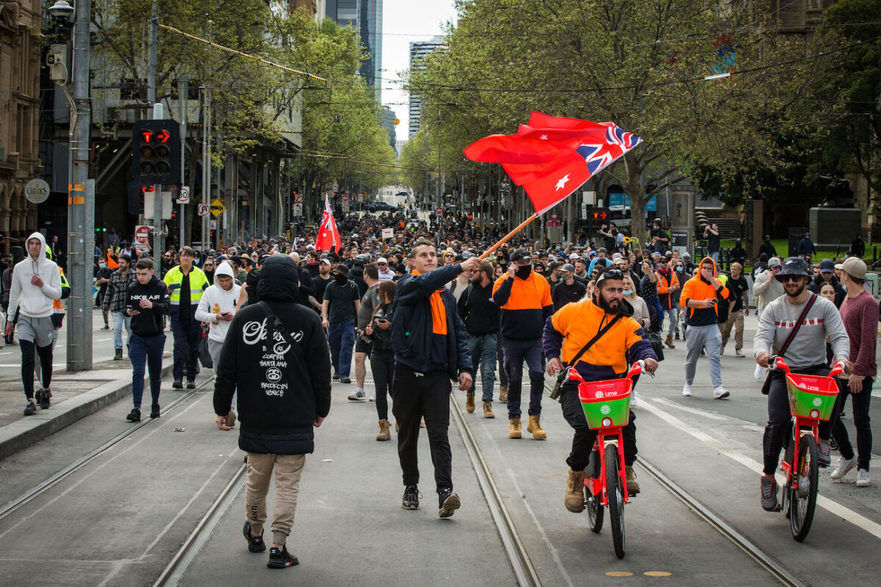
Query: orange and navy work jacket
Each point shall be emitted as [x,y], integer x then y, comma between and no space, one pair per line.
[525,304]
[665,283]
[573,325]
[697,288]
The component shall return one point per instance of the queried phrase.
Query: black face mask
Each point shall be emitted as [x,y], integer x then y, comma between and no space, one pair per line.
[524,271]
[340,278]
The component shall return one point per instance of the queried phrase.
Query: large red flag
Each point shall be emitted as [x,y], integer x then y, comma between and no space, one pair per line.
[328,235]
[553,156]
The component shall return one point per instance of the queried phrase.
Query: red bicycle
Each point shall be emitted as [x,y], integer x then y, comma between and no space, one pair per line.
[606,406]
[811,399]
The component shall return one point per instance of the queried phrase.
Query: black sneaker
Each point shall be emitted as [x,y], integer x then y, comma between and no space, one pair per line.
[134,415]
[255,543]
[336,377]
[30,409]
[345,380]
[448,502]
[154,411]
[177,385]
[769,494]
[44,395]
[280,559]
[410,501]
[191,385]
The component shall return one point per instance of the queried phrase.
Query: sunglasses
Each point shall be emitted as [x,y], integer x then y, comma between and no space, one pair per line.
[786,278]
[777,267]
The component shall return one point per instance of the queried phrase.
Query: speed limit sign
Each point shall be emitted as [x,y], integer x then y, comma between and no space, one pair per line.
[183,196]
[203,209]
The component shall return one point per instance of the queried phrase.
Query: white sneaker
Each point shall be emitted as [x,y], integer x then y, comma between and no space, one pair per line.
[863,478]
[358,396]
[843,467]
[759,372]
[686,391]
[633,399]
[739,354]
[720,393]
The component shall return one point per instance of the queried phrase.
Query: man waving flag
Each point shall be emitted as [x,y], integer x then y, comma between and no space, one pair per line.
[553,156]
[328,235]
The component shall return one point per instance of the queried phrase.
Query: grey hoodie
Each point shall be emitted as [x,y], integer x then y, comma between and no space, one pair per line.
[31,300]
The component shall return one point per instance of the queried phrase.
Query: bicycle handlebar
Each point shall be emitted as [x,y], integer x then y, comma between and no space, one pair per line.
[776,362]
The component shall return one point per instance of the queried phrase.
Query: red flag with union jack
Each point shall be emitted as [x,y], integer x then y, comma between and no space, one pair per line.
[553,156]
[328,235]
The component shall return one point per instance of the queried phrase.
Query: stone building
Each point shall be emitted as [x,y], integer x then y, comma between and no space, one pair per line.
[20,45]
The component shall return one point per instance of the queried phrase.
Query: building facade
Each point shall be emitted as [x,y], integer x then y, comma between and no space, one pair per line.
[20,45]
[365,16]
[418,52]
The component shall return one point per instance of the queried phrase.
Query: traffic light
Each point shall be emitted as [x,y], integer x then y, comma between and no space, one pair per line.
[156,152]
[599,215]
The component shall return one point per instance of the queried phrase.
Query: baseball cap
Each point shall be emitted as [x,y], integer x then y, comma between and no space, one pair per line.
[324,260]
[568,267]
[341,269]
[774,262]
[574,256]
[855,267]
[827,266]
[521,255]
[382,260]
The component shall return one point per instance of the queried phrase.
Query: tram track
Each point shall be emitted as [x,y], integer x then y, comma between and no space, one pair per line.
[12,505]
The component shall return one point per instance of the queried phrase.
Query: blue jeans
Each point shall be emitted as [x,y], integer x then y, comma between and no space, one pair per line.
[119,319]
[516,351]
[341,338]
[146,350]
[483,353]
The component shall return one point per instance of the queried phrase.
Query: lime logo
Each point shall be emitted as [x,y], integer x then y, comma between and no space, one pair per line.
[817,402]
[605,410]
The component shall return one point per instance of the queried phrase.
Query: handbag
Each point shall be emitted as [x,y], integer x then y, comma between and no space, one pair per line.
[204,355]
[657,344]
[563,375]
[766,386]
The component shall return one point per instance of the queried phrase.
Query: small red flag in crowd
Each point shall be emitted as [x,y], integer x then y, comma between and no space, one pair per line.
[328,235]
[552,156]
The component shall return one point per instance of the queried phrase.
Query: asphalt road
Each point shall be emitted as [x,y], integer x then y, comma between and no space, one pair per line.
[121,518]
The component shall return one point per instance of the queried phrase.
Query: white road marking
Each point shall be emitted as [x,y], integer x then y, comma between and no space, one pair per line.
[829,505]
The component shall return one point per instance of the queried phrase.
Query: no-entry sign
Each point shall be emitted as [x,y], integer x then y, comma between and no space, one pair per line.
[142,234]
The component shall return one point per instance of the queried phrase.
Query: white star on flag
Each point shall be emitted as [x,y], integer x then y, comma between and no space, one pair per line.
[543,137]
[562,183]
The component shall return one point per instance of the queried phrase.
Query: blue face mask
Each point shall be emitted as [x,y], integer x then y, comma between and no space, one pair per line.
[627,292]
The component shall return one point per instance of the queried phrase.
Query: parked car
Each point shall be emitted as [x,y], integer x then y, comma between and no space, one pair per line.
[380,206]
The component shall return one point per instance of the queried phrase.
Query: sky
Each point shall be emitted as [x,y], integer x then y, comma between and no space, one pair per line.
[404,21]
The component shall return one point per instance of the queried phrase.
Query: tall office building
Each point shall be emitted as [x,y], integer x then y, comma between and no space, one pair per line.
[418,52]
[365,16]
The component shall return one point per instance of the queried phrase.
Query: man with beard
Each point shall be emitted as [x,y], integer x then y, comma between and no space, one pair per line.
[525,302]
[805,354]
[623,342]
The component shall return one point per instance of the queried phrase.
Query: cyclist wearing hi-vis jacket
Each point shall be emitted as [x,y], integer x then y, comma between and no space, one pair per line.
[805,354]
[625,342]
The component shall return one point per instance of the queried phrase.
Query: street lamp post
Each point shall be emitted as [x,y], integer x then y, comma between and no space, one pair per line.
[80,191]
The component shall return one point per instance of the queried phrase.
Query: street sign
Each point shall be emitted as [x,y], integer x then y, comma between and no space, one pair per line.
[183,196]
[345,199]
[203,210]
[212,224]
[142,234]
[36,191]
[217,208]
[439,211]
[388,233]
[298,210]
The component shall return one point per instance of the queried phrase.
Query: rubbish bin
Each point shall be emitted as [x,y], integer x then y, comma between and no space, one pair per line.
[872,282]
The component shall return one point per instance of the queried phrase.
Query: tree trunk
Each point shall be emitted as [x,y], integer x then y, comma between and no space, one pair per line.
[637,213]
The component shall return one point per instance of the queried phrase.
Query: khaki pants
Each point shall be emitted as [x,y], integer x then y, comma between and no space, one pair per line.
[287,487]
[735,319]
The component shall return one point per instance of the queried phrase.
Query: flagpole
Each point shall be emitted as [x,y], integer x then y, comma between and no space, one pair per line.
[508,236]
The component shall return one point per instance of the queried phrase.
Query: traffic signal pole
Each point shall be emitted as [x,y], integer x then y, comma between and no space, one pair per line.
[81,203]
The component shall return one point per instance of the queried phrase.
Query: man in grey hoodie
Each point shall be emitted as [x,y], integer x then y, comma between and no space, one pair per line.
[36,282]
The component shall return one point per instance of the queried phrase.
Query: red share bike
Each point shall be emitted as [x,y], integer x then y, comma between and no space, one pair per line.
[606,406]
[811,399]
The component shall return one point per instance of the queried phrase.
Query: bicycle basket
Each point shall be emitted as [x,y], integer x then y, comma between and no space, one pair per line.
[811,396]
[606,403]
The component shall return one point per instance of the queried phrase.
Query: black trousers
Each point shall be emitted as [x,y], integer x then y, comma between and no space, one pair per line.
[779,427]
[28,362]
[382,363]
[582,441]
[418,395]
[861,421]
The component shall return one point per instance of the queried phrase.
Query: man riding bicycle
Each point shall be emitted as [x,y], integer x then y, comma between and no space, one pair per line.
[565,334]
[805,353]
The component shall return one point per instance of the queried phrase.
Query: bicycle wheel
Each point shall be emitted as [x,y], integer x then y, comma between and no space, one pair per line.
[804,499]
[615,495]
[594,510]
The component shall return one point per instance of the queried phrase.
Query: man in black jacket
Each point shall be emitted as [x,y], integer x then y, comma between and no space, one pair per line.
[428,338]
[481,316]
[147,304]
[827,275]
[276,356]
[569,289]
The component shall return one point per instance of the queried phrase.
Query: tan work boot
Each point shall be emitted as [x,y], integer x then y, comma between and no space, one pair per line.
[488,410]
[469,402]
[669,341]
[385,432]
[632,483]
[503,394]
[534,426]
[514,424]
[575,491]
